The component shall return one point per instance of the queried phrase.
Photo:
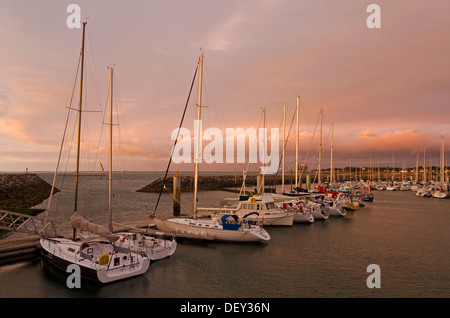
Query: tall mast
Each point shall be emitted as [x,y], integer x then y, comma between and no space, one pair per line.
[320,146]
[284,141]
[393,168]
[111,69]
[424,166]
[264,149]
[79,125]
[417,168]
[296,143]
[331,159]
[442,161]
[198,133]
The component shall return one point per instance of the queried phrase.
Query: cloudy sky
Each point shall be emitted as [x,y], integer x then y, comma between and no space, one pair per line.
[387,90]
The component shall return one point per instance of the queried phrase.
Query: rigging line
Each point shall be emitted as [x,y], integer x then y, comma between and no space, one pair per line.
[101,129]
[92,54]
[307,153]
[285,143]
[211,87]
[123,125]
[62,141]
[176,140]
[250,155]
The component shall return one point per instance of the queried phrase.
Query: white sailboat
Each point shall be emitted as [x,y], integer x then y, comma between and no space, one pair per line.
[100,256]
[155,247]
[318,210]
[301,212]
[286,201]
[441,190]
[228,228]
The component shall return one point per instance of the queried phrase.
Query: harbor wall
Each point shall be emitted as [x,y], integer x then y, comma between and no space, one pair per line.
[23,190]
[208,183]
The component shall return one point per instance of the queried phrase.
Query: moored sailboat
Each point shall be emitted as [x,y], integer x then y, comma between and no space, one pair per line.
[228,228]
[100,256]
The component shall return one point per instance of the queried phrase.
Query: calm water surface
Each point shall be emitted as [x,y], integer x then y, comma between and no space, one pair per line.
[405,235]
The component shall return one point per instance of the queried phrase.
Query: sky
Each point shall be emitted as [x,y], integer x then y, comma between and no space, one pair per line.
[386,90]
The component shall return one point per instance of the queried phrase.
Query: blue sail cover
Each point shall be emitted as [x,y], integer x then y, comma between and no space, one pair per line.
[230,226]
[252,222]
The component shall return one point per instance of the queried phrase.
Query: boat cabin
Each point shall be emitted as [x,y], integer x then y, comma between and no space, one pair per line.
[263,203]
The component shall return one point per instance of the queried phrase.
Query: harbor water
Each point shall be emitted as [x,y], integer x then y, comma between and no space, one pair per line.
[406,236]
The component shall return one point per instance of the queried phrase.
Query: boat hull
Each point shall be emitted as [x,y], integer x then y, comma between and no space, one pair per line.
[155,248]
[335,211]
[440,195]
[320,215]
[303,218]
[54,252]
[278,219]
[210,230]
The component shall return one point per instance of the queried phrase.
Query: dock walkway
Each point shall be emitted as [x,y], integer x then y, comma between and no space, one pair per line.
[26,247]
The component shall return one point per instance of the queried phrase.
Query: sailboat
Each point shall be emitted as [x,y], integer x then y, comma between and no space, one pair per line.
[291,202]
[155,247]
[441,189]
[267,212]
[228,228]
[100,255]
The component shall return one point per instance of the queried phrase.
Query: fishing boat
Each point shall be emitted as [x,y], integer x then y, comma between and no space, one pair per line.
[99,254]
[229,228]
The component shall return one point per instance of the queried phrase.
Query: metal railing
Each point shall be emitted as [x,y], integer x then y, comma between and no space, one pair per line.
[18,222]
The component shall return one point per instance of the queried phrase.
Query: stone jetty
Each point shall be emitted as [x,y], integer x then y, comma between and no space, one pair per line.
[209,183]
[23,190]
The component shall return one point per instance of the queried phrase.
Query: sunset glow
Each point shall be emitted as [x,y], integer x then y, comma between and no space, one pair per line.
[385,90]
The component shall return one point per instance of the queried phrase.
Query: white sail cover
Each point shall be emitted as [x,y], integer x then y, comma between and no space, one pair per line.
[79,222]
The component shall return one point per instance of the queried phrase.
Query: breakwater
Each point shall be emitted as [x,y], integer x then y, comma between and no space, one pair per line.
[208,183]
[23,190]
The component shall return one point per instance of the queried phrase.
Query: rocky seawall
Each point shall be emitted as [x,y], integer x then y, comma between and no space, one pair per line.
[208,183]
[22,190]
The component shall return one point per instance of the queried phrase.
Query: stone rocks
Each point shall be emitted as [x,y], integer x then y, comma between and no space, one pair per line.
[23,190]
[207,183]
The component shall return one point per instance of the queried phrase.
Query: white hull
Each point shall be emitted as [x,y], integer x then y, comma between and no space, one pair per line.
[423,193]
[337,211]
[440,195]
[320,215]
[98,261]
[154,248]
[267,219]
[300,217]
[210,229]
